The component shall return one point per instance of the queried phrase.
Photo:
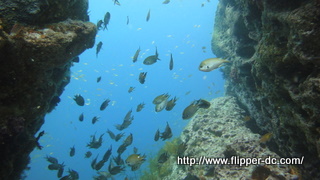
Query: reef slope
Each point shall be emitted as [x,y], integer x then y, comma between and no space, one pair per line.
[38,41]
[274,47]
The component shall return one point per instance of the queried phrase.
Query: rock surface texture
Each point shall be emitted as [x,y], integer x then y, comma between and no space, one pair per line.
[38,41]
[220,132]
[274,46]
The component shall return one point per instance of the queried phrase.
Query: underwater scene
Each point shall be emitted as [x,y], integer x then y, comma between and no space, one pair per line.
[159,89]
[145,51]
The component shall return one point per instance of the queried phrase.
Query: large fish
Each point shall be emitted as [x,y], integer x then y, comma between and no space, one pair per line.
[211,64]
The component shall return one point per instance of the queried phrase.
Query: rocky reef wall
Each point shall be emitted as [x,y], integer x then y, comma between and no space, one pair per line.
[38,41]
[274,46]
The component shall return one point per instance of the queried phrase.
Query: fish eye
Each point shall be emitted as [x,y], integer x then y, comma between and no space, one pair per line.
[207,67]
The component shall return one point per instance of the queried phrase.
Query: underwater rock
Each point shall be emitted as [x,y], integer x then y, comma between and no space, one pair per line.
[38,41]
[274,47]
[224,115]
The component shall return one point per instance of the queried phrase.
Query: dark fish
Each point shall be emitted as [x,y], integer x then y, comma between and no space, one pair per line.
[60,172]
[95,143]
[118,136]
[136,55]
[166,2]
[127,20]
[79,99]
[114,169]
[104,104]
[167,134]
[128,140]
[72,151]
[118,160]
[99,24]
[81,117]
[203,104]
[171,63]
[131,89]
[142,77]
[121,148]
[163,157]
[88,154]
[135,150]
[94,162]
[52,159]
[148,16]
[107,17]
[151,59]
[94,119]
[111,134]
[157,135]
[117,2]
[99,165]
[76,59]
[171,103]
[140,107]
[55,166]
[107,155]
[99,46]
[73,174]
[99,79]
[190,111]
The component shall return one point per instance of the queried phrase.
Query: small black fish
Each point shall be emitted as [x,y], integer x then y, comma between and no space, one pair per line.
[60,172]
[157,135]
[121,148]
[73,174]
[99,24]
[142,77]
[104,105]
[99,46]
[72,151]
[107,17]
[76,59]
[118,160]
[99,79]
[118,136]
[140,107]
[88,154]
[127,20]
[128,140]
[171,63]
[131,89]
[94,162]
[111,134]
[114,169]
[52,160]
[94,119]
[148,16]
[55,166]
[135,57]
[171,103]
[163,157]
[107,155]
[79,100]
[135,150]
[99,165]
[167,134]
[81,117]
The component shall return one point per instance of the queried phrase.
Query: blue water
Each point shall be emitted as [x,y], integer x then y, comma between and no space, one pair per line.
[182,28]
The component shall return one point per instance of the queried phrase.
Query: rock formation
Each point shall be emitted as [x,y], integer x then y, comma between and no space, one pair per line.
[38,41]
[274,47]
